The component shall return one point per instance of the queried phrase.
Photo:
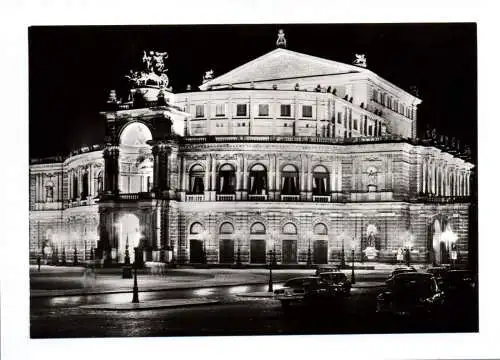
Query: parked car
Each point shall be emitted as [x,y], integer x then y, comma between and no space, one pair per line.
[311,289]
[324,269]
[400,270]
[459,286]
[438,272]
[338,281]
[411,294]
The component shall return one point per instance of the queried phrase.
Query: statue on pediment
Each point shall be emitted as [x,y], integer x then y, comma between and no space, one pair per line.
[360,60]
[209,75]
[281,42]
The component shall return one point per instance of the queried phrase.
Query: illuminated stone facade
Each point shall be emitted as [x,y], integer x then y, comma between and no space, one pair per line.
[289,152]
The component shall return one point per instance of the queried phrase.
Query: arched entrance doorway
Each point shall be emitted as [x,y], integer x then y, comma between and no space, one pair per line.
[128,234]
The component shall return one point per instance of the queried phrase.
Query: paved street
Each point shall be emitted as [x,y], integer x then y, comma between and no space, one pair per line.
[68,316]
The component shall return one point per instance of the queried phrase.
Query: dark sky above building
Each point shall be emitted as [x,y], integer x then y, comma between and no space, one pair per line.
[72,69]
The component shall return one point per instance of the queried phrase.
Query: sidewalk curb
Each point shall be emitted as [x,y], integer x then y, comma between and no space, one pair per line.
[105,292]
[123,291]
[150,305]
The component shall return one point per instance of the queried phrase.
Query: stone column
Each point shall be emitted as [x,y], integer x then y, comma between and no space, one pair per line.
[332,178]
[467,183]
[79,177]
[161,153]
[309,178]
[244,190]
[111,169]
[270,177]
[278,175]
[302,170]
[213,176]
[424,175]
[36,188]
[339,174]
[238,176]
[90,178]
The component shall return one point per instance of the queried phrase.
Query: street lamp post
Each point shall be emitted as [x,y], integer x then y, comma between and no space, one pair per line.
[127,255]
[272,259]
[353,248]
[342,254]
[135,290]
[309,260]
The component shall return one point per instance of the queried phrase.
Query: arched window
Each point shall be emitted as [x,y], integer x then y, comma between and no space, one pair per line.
[226,180]
[289,229]
[320,229]
[49,191]
[258,228]
[226,228]
[196,180]
[290,180]
[320,181]
[258,180]
[135,134]
[196,228]
[75,187]
[85,186]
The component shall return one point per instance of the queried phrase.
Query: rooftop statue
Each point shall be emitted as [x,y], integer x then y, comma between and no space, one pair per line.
[281,42]
[153,74]
[360,60]
[209,75]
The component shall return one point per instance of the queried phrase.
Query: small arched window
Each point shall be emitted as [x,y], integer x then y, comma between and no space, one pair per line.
[258,180]
[258,228]
[290,229]
[320,181]
[196,228]
[320,229]
[227,179]
[196,180]
[226,228]
[289,180]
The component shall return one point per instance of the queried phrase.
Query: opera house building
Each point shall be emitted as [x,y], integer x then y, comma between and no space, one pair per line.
[290,156]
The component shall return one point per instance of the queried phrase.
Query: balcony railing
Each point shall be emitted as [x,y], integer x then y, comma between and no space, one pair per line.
[290,197]
[442,199]
[290,139]
[321,198]
[226,197]
[257,197]
[195,197]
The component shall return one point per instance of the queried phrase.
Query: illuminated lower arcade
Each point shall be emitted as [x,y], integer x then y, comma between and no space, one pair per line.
[294,165]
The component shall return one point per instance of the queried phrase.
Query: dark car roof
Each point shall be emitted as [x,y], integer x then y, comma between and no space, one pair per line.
[299,280]
[413,275]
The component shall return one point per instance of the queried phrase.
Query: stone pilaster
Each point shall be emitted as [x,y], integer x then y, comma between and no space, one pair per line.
[111,167]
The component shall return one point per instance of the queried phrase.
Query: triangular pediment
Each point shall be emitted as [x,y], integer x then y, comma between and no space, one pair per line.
[281,64]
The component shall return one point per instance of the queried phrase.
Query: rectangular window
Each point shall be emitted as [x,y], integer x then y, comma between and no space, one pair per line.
[241,110]
[200,111]
[370,132]
[220,110]
[286,110]
[355,125]
[307,111]
[339,117]
[263,109]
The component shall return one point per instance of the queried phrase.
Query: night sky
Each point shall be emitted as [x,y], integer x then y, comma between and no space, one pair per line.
[72,69]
